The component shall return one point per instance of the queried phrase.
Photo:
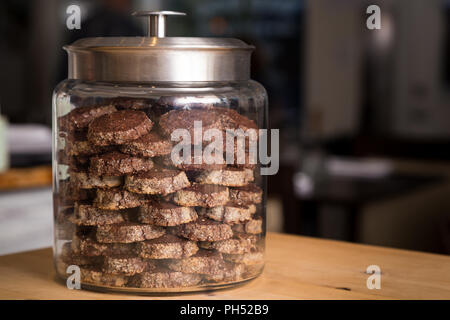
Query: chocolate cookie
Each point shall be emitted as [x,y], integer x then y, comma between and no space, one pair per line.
[203,262]
[124,264]
[239,244]
[73,258]
[116,199]
[167,247]
[80,118]
[119,127]
[95,275]
[157,181]
[87,246]
[127,232]
[78,145]
[85,180]
[230,177]
[246,195]
[70,191]
[231,213]
[166,214]
[202,195]
[196,163]
[230,272]
[88,215]
[117,164]
[149,145]
[253,226]
[250,258]
[164,278]
[204,229]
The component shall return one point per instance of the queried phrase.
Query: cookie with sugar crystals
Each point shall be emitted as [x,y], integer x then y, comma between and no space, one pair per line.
[149,145]
[230,272]
[166,214]
[230,177]
[95,275]
[157,181]
[246,195]
[127,232]
[85,180]
[88,215]
[231,213]
[79,118]
[118,164]
[116,199]
[203,262]
[204,229]
[202,195]
[167,247]
[125,264]
[164,278]
[239,244]
[119,127]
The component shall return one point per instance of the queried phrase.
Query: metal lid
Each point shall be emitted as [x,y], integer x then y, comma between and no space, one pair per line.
[159,58]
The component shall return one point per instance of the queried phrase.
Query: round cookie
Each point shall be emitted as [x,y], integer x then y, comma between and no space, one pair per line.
[231,213]
[119,127]
[87,246]
[84,180]
[149,145]
[247,259]
[157,181]
[88,215]
[230,177]
[204,229]
[239,244]
[166,214]
[164,278]
[253,226]
[124,264]
[116,199]
[246,195]
[203,262]
[73,258]
[78,145]
[230,272]
[127,232]
[202,195]
[117,164]
[167,247]
[95,275]
[196,163]
[79,118]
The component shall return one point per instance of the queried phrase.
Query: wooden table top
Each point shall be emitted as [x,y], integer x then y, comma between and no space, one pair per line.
[296,268]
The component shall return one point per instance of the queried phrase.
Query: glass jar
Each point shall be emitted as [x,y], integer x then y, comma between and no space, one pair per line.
[157,183]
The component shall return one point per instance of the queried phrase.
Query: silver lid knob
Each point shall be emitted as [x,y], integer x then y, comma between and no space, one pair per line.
[157,21]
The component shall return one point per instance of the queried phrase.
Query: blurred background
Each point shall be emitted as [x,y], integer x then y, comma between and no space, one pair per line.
[364,115]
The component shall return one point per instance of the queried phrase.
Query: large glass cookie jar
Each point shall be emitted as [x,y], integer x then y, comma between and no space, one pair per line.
[157,181]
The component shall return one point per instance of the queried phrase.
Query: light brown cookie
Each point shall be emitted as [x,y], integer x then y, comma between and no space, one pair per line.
[202,195]
[166,214]
[203,262]
[195,163]
[125,264]
[239,244]
[246,195]
[230,272]
[119,127]
[231,213]
[95,275]
[167,247]
[85,180]
[157,181]
[164,278]
[118,164]
[88,215]
[127,232]
[149,145]
[116,199]
[204,229]
[253,226]
[230,177]
[251,258]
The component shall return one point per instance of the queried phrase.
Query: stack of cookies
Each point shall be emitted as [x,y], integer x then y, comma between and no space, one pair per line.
[130,216]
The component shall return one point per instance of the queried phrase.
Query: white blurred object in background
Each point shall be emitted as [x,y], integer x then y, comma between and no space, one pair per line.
[4,155]
[29,139]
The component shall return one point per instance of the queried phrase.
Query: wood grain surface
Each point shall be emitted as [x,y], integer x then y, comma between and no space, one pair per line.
[296,268]
[23,178]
